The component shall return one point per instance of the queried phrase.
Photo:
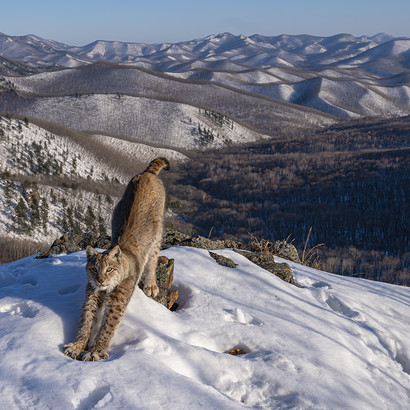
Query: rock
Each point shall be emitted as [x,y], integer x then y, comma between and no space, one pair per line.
[167,295]
[176,238]
[72,243]
[222,260]
[267,261]
[165,272]
[237,352]
[171,238]
[286,250]
[283,249]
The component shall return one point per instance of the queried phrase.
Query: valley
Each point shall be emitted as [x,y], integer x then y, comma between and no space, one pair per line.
[267,136]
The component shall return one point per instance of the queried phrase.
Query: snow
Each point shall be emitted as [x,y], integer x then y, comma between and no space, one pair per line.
[137,150]
[17,140]
[330,342]
[298,51]
[147,119]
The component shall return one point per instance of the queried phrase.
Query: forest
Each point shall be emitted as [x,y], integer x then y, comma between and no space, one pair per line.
[350,183]
[345,188]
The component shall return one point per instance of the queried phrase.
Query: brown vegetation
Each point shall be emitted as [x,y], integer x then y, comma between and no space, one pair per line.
[13,249]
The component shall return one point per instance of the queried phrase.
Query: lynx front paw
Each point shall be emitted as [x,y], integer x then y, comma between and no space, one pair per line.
[73,350]
[151,290]
[93,356]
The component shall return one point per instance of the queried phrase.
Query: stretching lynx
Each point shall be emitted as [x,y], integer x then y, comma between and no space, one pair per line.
[112,275]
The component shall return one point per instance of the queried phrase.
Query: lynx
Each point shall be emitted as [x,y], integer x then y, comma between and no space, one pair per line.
[112,275]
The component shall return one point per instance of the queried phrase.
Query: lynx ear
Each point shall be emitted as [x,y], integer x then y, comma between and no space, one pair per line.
[115,252]
[91,251]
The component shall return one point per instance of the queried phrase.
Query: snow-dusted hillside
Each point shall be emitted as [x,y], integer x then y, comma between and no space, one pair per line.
[150,104]
[28,149]
[149,120]
[330,342]
[343,93]
[49,181]
[300,51]
[342,75]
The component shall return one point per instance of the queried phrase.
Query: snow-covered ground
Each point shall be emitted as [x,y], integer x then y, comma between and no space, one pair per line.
[330,342]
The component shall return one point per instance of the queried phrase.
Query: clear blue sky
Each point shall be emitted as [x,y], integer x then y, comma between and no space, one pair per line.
[78,22]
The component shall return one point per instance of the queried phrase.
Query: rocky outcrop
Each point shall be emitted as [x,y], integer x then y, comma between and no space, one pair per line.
[267,261]
[223,260]
[165,275]
[286,250]
[176,238]
[72,243]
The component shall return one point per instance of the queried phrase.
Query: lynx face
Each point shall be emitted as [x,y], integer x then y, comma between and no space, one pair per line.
[104,270]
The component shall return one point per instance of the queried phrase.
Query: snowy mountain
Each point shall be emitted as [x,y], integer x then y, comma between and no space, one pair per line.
[331,342]
[152,107]
[299,51]
[340,76]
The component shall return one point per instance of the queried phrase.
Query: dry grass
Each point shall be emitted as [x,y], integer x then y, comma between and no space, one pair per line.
[260,245]
[310,257]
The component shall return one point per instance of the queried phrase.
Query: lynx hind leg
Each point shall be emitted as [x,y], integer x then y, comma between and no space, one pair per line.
[150,272]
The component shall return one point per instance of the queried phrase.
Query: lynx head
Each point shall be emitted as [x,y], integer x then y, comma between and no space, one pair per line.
[104,270]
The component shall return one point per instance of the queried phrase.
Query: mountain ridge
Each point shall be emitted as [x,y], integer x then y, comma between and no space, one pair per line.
[343,76]
[34,50]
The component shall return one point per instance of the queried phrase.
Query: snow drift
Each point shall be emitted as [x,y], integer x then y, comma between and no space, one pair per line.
[330,342]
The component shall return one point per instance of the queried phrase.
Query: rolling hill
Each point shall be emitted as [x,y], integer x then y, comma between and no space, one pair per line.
[284,77]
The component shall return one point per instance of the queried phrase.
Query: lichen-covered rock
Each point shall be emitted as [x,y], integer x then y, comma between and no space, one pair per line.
[222,260]
[267,261]
[205,243]
[286,250]
[72,243]
[176,238]
[167,294]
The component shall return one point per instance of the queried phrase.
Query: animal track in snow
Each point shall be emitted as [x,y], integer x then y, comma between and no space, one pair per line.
[319,291]
[92,394]
[238,315]
[338,306]
[305,282]
[254,389]
[321,284]
[28,281]
[395,349]
[22,309]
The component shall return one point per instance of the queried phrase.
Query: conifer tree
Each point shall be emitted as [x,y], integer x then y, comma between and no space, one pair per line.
[89,218]
[21,216]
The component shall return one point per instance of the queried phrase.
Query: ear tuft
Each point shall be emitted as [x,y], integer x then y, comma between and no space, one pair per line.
[91,251]
[115,252]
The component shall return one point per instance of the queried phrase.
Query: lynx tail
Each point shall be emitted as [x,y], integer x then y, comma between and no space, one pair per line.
[157,164]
